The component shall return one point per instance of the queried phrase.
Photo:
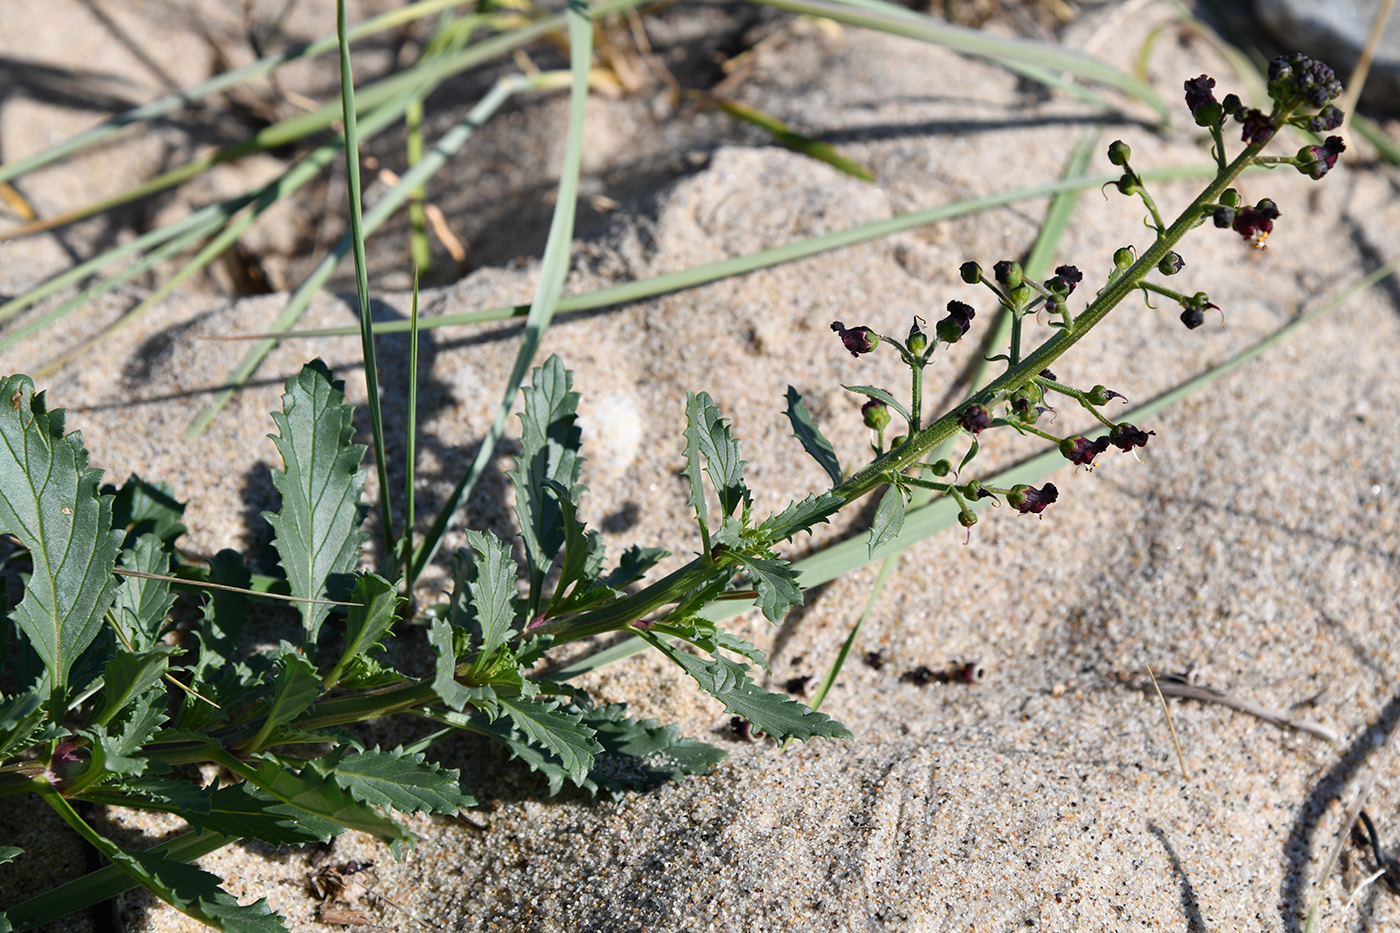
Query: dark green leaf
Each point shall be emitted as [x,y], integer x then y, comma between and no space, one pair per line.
[293,691]
[153,792]
[882,395]
[583,553]
[639,753]
[633,565]
[728,681]
[776,582]
[492,596]
[224,613]
[695,426]
[141,604]
[129,675]
[9,853]
[196,893]
[556,730]
[811,437]
[364,673]
[402,782]
[317,529]
[368,621]
[721,452]
[445,683]
[536,759]
[242,810]
[20,717]
[549,443]
[49,501]
[800,516]
[321,797]
[141,508]
[889,517]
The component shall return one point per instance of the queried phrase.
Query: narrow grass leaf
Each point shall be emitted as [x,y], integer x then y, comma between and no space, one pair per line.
[787,136]
[49,501]
[317,528]
[811,437]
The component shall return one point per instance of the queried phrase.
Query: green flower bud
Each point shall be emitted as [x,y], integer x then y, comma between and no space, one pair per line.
[1231,198]
[971,272]
[1123,257]
[1171,263]
[941,468]
[918,340]
[876,414]
[1119,153]
[1127,184]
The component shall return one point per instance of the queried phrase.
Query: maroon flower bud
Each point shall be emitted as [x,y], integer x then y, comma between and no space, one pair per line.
[1193,318]
[1205,109]
[1119,153]
[1257,222]
[1171,263]
[1296,79]
[1224,217]
[1066,278]
[971,272]
[1009,273]
[1126,436]
[957,323]
[975,419]
[876,414]
[1327,119]
[1231,104]
[1257,127]
[1081,451]
[1316,161]
[1047,374]
[1031,501]
[857,339]
[798,685]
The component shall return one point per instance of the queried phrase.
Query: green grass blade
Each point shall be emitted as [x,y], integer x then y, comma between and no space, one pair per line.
[410,455]
[787,136]
[382,209]
[357,244]
[553,269]
[1041,58]
[763,259]
[170,103]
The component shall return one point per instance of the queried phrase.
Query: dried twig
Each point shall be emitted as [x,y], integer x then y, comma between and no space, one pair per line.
[1174,685]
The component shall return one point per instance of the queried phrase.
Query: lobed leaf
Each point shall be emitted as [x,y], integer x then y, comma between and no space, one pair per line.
[366,623]
[10,853]
[728,681]
[196,893]
[244,811]
[295,688]
[633,565]
[129,675]
[141,605]
[543,724]
[401,782]
[49,501]
[811,437]
[549,442]
[225,611]
[801,516]
[889,517]
[153,792]
[317,529]
[776,582]
[639,754]
[445,683]
[707,433]
[20,717]
[321,797]
[492,595]
[141,508]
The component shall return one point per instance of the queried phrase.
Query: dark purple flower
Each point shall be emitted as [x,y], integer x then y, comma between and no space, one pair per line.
[857,339]
[1081,451]
[975,419]
[1205,109]
[1316,161]
[1296,79]
[957,323]
[1257,222]
[1047,374]
[1032,501]
[1327,119]
[1008,273]
[1066,278]
[1193,318]
[1126,436]
[1257,127]
[798,685]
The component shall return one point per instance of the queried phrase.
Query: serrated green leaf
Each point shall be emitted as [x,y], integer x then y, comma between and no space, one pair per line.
[140,508]
[128,675]
[10,853]
[709,637]
[317,530]
[811,437]
[556,730]
[224,614]
[445,683]
[367,622]
[118,751]
[401,782]
[801,516]
[492,595]
[549,444]
[633,565]
[49,501]
[20,717]
[889,517]
[295,688]
[721,451]
[153,792]
[882,395]
[244,811]
[639,754]
[745,649]
[196,893]
[536,759]
[364,673]
[141,604]
[319,796]
[695,426]
[583,552]
[728,681]
[776,583]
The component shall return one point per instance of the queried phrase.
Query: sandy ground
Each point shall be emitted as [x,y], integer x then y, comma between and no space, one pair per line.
[1256,546]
